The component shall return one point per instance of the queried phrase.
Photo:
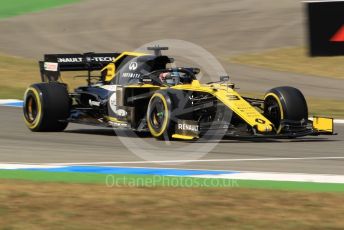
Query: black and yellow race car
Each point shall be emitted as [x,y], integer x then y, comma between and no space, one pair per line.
[142,92]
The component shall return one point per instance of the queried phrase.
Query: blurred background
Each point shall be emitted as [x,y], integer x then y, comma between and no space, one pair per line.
[261,44]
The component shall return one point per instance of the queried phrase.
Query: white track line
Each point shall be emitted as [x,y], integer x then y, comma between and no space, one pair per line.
[12,165]
[4,101]
[183,161]
[273,176]
[28,166]
[231,175]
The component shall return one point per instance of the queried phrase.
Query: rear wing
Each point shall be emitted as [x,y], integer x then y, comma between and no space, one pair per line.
[53,64]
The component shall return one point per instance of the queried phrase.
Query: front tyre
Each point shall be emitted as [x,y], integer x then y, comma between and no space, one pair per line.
[46,107]
[285,103]
[159,121]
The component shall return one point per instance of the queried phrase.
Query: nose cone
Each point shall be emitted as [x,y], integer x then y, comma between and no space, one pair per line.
[263,128]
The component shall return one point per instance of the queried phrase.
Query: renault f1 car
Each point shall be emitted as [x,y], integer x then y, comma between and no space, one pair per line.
[141,92]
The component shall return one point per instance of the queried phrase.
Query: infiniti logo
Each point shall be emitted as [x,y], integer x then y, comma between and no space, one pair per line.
[132,65]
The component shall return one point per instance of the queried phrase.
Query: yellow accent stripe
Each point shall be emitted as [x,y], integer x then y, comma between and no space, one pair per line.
[113,119]
[239,106]
[280,107]
[135,54]
[37,120]
[164,126]
[184,137]
[323,124]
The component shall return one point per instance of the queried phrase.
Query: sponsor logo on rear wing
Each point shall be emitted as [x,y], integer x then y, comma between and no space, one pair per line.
[87,61]
[51,66]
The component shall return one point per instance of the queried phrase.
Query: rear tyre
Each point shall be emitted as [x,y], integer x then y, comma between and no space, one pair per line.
[46,107]
[285,103]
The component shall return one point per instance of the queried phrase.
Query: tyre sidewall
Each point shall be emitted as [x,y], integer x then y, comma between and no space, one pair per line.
[291,101]
[54,103]
[168,124]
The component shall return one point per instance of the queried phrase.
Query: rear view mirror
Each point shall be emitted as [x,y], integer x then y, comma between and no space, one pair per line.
[224,78]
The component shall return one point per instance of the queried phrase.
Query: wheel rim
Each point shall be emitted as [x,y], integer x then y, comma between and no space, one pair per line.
[272,111]
[31,109]
[157,115]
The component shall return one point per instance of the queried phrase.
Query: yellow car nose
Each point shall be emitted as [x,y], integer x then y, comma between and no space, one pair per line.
[264,128]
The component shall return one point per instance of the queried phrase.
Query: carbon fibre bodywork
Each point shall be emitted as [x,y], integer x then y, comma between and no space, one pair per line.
[129,93]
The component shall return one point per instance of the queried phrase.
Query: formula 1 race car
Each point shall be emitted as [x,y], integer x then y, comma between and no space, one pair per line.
[140,92]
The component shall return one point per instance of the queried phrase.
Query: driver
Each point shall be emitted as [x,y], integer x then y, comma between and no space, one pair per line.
[164,75]
[170,78]
[174,78]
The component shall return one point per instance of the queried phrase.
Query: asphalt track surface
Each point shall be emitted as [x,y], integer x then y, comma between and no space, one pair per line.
[223,27]
[87,144]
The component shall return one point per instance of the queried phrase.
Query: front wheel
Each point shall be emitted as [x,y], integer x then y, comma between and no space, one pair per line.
[46,107]
[285,103]
[159,121]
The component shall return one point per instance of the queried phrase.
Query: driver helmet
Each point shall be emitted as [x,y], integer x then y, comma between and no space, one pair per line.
[171,78]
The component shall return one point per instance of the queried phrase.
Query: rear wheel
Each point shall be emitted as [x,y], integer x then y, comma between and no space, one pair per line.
[285,103]
[46,107]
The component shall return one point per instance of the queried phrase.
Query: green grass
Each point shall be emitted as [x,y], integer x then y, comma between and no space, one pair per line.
[294,59]
[164,181]
[10,8]
[330,108]
[17,73]
[316,107]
